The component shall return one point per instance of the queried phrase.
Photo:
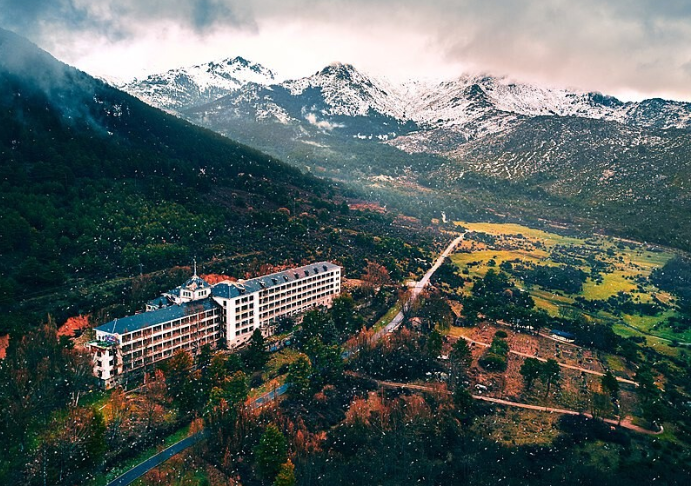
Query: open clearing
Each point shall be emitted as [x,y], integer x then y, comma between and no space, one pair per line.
[616,271]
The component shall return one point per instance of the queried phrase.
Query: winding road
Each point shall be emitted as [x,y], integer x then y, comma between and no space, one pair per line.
[161,457]
[139,470]
[419,286]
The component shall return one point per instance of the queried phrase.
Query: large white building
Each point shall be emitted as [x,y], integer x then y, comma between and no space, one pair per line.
[196,313]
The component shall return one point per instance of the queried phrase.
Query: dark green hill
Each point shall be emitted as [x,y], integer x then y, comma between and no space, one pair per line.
[94,182]
[96,185]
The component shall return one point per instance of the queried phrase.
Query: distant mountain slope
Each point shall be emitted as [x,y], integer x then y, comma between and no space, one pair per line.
[177,89]
[585,158]
[340,104]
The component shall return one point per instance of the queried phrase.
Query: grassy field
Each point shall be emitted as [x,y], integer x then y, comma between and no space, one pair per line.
[623,267]
[612,284]
[550,239]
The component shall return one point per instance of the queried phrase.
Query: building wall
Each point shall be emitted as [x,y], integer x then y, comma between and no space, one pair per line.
[231,323]
[262,309]
[144,347]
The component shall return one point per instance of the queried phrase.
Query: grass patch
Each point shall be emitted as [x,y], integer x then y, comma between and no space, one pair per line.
[278,360]
[95,398]
[266,387]
[388,317]
[615,363]
[612,283]
[458,332]
[550,239]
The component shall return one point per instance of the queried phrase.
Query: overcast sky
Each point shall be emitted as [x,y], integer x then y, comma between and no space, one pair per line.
[629,48]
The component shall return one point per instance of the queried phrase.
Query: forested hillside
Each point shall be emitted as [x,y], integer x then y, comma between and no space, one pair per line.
[97,185]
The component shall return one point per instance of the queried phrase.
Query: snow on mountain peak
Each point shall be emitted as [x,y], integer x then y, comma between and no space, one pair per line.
[470,105]
[350,92]
[202,83]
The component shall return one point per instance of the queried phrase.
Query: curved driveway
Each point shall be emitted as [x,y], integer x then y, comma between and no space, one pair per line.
[419,286]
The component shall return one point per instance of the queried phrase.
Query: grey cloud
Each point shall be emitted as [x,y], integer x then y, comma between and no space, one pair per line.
[118,19]
[607,45]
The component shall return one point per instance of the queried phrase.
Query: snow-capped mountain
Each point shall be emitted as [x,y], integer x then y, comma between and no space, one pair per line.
[177,89]
[340,119]
[348,92]
[338,100]
[470,106]
[453,102]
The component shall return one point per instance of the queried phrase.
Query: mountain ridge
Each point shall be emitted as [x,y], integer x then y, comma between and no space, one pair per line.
[199,83]
[451,103]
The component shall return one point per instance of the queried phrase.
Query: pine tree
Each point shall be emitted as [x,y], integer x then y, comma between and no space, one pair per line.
[530,369]
[550,373]
[610,385]
[435,343]
[298,378]
[256,355]
[271,452]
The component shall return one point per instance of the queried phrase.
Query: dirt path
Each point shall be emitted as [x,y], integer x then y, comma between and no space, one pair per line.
[563,365]
[625,423]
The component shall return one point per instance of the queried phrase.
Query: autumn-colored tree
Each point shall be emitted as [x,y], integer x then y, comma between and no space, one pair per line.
[376,275]
[408,304]
[39,375]
[235,388]
[286,475]
[71,443]
[217,371]
[121,418]
[152,400]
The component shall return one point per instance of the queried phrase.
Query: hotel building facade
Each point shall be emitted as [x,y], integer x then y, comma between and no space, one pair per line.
[197,313]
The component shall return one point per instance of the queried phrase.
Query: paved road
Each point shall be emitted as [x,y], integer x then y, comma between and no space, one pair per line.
[626,423]
[270,396]
[563,365]
[420,286]
[154,461]
[141,469]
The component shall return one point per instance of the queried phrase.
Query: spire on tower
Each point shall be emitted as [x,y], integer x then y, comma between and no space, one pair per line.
[195,268]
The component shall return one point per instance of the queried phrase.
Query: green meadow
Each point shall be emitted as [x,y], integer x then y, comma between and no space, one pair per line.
[616,269]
